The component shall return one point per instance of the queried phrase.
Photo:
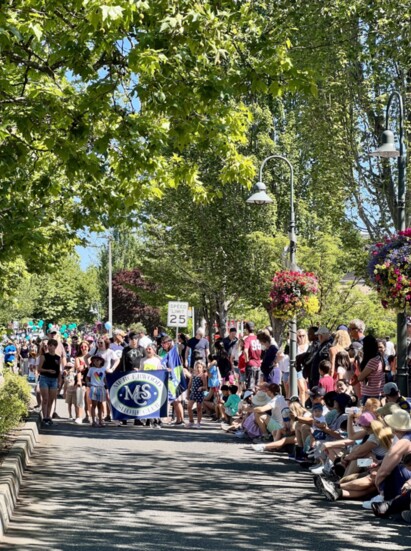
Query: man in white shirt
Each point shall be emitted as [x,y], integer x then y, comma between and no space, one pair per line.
[143,340]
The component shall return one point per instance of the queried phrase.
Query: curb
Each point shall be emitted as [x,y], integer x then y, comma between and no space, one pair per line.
[13,467]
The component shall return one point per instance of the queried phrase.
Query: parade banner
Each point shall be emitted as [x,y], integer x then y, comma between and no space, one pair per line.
[138,394]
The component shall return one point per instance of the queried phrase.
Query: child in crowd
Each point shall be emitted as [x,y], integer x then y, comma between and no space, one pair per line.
[326,381]
[96,377]
[196,388]
[318,418]
[213,385]
[283,362]
[71,379]
[231,405]
[222,399]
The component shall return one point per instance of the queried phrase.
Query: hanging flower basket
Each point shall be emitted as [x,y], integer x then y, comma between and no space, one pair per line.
[294,293]
[389,270]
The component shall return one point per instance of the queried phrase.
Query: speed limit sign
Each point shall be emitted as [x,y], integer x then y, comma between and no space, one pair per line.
[177,314]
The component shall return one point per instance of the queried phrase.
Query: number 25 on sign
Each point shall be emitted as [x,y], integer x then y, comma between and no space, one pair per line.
[177,314]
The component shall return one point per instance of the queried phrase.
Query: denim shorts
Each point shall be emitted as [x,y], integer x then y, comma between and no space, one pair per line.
[48,382]
[299,375]
[285,377]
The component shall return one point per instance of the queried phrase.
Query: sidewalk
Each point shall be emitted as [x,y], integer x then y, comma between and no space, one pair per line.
[137,488]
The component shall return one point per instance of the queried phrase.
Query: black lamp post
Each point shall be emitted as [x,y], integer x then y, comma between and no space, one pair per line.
[388,151]
[260,197]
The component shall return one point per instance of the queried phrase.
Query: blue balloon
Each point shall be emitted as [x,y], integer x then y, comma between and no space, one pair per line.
[108,325]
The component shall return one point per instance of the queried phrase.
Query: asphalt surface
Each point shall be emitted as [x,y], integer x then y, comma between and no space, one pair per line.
[137,488]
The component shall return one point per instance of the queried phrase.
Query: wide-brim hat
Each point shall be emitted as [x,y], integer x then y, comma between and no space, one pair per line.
[399,420]
[260,399]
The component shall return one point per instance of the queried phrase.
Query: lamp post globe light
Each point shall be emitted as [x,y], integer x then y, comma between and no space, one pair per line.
[260,197]
[388,151]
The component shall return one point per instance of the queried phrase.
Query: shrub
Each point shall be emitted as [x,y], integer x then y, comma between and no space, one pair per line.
[14,401]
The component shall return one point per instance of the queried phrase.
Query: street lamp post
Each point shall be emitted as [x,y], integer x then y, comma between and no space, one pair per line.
[388,151]
[260,197]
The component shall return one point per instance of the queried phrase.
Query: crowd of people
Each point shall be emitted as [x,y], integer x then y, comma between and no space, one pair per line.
[348,424]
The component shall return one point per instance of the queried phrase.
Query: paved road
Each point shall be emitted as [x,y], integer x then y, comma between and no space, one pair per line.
[143,489]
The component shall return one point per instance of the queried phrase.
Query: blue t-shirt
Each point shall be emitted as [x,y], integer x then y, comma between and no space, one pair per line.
[10,353]
[213,380]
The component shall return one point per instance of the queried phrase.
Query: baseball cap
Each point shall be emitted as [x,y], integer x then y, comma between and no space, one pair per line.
[342,328]
[322,330]
[316,391]
[390,389]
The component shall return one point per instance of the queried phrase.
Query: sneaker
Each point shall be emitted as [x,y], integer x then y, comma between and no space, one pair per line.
[225,426]
[189,426]
[198,426]
[381,510]
[368,504]
[240,434]
[406,516]
[158,426]
[258,447]
[318,483]
[317,469]
[329,491]
[107,418]
[138,423]
[179,424]
[123,423]
[86,420]
[79,421]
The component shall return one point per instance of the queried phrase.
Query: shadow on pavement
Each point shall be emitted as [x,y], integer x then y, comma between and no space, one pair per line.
[141,489]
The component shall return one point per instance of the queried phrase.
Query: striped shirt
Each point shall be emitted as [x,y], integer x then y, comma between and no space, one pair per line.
[373,385]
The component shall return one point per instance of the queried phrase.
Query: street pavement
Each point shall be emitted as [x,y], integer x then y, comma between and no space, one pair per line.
[138,488]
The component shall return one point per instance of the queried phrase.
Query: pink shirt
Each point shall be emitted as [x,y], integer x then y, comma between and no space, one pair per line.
[327,383]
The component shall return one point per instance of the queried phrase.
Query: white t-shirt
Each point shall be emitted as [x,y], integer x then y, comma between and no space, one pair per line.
[97,376]
[389,348]
[284,364]
[277,404]
[109,357]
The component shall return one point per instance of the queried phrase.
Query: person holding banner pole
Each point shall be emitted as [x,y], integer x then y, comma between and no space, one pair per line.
[177,383]
[131,360]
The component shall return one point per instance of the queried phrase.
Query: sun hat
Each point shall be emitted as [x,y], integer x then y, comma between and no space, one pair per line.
[399,420]
[247,394]
[260,399]
[388,408]
[365,419]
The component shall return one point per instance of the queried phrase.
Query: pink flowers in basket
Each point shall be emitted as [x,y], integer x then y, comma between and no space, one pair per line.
[389,270]
[294,293]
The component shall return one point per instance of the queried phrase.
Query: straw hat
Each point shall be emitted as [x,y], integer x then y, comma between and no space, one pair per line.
[260,399]
[399,420]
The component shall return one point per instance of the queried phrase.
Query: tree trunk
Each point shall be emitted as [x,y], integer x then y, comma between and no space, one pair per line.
[279,328]
[222,313]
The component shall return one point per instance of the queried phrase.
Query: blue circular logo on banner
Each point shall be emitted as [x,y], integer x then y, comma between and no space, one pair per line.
[138,394]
